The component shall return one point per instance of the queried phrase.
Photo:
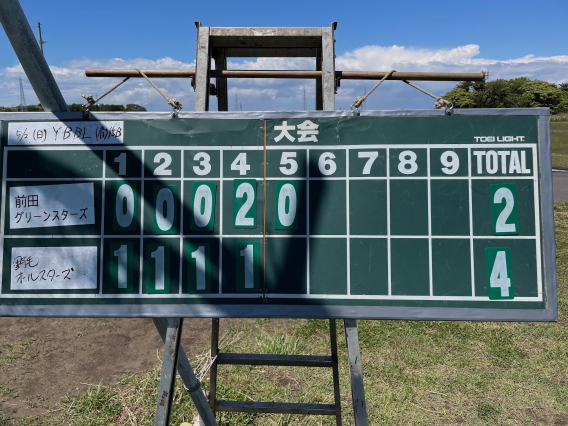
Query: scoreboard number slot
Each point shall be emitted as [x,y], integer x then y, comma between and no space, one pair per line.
[371,156]
[199,268]
[286,205]
[157,268]
[204,164]
[248,266]
[288,160]
[407,165]
[499,273]
[203,206]
[451,162]
[163,159]
[240,164]
[244,203]
[504,209]
[121,160]
[125,206]
[326,165]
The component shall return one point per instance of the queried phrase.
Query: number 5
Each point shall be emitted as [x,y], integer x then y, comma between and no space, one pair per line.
[372,156]
[287,159]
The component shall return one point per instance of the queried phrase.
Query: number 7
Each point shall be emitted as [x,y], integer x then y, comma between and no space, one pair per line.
[372,156]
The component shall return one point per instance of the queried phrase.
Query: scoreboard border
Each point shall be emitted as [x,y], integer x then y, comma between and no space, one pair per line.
[325,311]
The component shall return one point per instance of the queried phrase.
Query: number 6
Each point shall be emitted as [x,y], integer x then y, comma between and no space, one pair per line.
[326,164]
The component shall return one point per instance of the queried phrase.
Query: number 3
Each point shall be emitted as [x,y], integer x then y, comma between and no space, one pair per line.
[204,160]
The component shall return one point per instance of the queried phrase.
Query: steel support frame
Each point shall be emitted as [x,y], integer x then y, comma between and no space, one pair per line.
[29,54]
[219,358]
[168,328]
[220,43]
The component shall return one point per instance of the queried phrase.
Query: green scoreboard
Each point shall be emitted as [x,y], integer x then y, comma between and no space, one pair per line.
[408,214]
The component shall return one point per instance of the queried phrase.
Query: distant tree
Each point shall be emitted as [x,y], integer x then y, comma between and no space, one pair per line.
[563,86]
[79,107]
[515,93]
[134,107]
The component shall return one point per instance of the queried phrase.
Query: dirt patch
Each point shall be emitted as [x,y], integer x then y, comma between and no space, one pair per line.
[43,359]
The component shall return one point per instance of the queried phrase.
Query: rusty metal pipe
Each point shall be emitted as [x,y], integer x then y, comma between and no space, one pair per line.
[301,74]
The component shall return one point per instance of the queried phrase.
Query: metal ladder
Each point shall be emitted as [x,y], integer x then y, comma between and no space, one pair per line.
[225,358]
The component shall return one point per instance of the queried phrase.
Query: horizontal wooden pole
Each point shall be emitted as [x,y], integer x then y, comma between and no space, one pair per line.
[301,74]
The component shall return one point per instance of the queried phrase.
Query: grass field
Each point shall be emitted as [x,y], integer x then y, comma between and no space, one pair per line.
[419,373]
[559,139]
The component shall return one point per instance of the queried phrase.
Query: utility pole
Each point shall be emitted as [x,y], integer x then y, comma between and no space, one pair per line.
[41,42]
[304,98]
[23,106]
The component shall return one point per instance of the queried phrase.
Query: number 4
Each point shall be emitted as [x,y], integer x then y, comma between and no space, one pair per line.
[240,164]
[499,273]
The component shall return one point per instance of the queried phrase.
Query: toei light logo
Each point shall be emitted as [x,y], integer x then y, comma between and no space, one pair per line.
[499,139]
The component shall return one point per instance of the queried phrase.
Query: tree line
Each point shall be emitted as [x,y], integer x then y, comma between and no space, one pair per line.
[519,92]
[78,107]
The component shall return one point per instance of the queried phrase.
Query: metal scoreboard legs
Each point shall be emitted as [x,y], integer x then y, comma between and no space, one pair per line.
[295,361]
[174,355]
[357,387]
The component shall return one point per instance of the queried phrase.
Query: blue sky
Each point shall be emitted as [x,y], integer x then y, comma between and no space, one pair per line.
[510,38]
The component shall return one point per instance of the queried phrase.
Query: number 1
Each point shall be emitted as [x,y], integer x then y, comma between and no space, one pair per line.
[248,265]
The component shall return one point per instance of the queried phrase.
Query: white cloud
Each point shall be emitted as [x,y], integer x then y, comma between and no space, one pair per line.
[274,94]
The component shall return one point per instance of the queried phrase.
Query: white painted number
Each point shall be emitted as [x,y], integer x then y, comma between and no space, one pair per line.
[326,164]
[241,219]
[247,253]
[450,161]
[288,159]
[203,159]
[121,160]
[407,165]
[240,164]
[287,193]
[372,156]
[499,278]
[199,256]
[202,206]
[159,268]
[165,204]
[124,216]
[162,169]
[501,225]
[122,278]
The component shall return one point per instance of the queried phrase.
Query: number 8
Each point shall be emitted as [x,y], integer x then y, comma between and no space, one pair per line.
[404,162]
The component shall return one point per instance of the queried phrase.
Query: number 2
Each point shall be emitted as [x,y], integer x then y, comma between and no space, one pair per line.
[162,169]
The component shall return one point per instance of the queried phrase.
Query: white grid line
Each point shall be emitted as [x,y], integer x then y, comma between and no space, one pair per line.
[470,194]
[348,235]
[429,188]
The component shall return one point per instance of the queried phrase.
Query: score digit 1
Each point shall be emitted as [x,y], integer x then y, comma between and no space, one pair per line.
[199,267]
[248,266]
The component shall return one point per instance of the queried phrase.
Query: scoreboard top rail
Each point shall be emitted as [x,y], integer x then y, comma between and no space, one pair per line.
[391,214]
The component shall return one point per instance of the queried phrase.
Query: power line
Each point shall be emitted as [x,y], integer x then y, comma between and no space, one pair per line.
[23,106]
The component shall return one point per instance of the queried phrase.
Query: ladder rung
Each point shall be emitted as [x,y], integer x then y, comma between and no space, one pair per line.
[276,407]
[274,359]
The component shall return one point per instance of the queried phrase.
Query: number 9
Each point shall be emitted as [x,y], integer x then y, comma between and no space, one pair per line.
[451,161]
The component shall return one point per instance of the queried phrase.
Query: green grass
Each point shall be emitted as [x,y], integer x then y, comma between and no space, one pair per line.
[559,140]
[416,372]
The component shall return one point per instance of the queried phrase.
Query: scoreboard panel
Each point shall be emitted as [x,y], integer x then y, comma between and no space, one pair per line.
[388,215]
